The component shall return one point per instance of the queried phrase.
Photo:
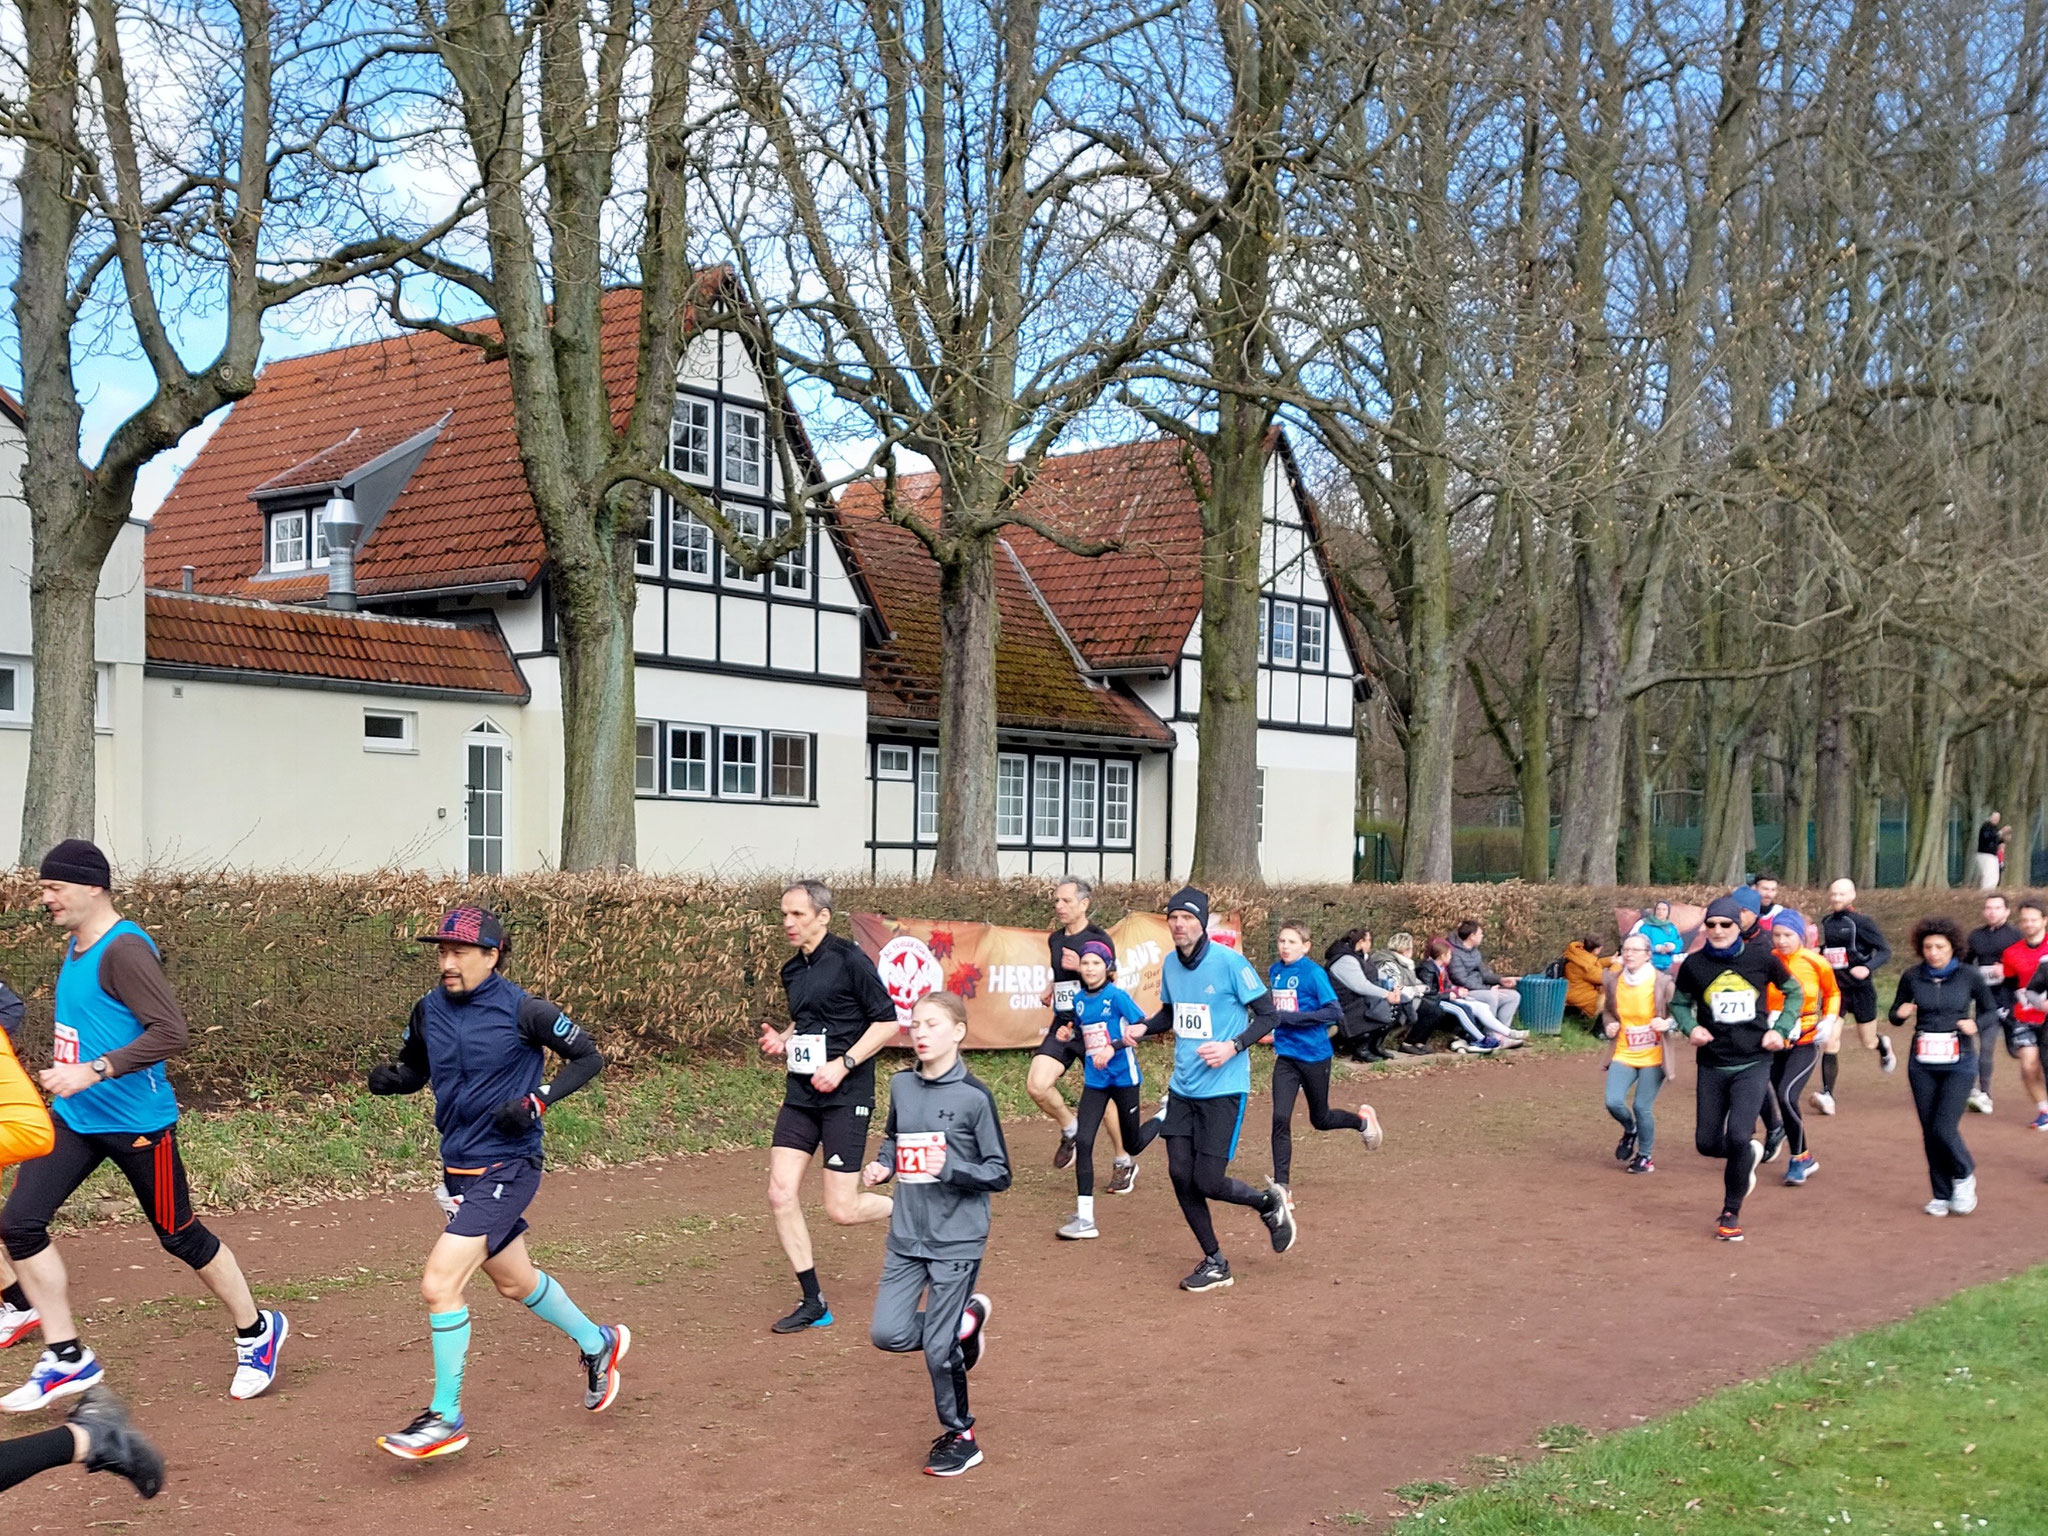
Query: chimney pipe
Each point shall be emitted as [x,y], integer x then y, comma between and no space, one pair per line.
[186,573]
[338,519]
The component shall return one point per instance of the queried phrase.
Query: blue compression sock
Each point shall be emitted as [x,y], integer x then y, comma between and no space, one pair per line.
[451,1348]
[551,1304]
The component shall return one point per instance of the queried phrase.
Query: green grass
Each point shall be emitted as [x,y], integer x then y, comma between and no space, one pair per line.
[1932,1425]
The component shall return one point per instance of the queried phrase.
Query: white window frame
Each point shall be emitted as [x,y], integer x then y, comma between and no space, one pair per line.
[273,534]
[741,762]
[647,544]
[927,795]
[1119,783]
[1049,774]
[707,738]
[793,570]
[1265,624]
[747,522]
[646,757]
[689,439]
[316,532]
[1302,642]
[1013,784]
[1283,654]
[694,536]
[407,739]
[780,739]
[743,428]
[1258,805]
[103,696]
[22,711]
[888,765]
[1082,769]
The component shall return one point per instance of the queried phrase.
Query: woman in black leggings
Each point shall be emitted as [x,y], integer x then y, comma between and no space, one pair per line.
[1943,999]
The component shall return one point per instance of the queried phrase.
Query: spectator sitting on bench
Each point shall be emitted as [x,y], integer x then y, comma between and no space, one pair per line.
[1585,973]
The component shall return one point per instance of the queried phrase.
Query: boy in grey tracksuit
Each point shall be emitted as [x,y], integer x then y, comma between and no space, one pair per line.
[944,1147]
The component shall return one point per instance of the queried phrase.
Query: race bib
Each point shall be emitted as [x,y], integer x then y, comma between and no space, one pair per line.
[1191,1021]
[805,1053]
[1837,956]
[1095,1036]
[64,1049]
[1287,1002]
[1640,1037]
[1735,1007]
[1938,1050]
[1063,995]
[918,1156]
[1993,974]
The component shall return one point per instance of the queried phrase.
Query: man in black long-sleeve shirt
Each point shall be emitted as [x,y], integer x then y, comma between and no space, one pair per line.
[1851,943]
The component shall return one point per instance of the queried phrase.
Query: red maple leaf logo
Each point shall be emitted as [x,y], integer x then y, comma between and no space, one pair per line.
[940,943]
[962,980]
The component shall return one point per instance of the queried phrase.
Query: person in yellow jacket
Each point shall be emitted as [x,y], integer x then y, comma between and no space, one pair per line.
[1585,975]
[1820,1019]
[1635,1011]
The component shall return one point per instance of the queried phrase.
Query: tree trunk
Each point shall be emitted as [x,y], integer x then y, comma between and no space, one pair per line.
[1727,827]
[1226,785]
[59,801]
[1794,865]
[968,632]
[1637,853]
[1533,706]
[1834,784]
[1869,804]
[595,624]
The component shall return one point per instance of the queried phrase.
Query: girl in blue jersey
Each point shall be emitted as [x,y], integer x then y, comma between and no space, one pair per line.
[1109,1075]
[1307,1006]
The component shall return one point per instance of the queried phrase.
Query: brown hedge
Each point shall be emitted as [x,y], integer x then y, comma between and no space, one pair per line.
[301,983]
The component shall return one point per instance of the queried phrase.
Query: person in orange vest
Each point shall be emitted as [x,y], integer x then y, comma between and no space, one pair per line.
[1820,1017]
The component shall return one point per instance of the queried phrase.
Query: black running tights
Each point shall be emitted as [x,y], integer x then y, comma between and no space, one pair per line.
[22,1459]
[1940,1095]
[1313,1079]
[1198,1178]
[1729,1103]
[1095,1104]
[1791,1070]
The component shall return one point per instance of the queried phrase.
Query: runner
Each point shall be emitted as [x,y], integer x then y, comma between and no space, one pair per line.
[1102,1012]
[1635,1011]
[1938,997]
[2021,965]
[1219,1010]
[841,1017]
[1071,900]
[1768,906]
[1985,948]
[1820,1018]
[17,1318]
[1855,949]
[1725,983]
[1307,1006]
[117,1023]
[480,1043]
[944,1147]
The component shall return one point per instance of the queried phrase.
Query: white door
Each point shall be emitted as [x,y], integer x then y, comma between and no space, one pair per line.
[488,754]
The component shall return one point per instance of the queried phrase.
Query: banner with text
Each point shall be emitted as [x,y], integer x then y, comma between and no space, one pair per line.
[1004,973]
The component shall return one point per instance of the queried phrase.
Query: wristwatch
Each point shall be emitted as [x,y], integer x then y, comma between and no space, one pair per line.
[851,1064]
[100,1066]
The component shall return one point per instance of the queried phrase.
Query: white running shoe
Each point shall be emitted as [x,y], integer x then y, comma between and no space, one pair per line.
[1887,1057]
[52,1379]
[1980,1101]
[1370,1128]
[17,1323]
[1936,1207]
[1824,1102]
[256,1359]
[1963,1199]
[1077,1228]
[1756,1161]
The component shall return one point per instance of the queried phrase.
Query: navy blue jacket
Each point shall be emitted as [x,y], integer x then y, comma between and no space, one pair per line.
[482,1051]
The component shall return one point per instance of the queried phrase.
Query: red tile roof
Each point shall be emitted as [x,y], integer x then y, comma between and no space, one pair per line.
[1038,685]
[335,463]
[465,518]
[227,634]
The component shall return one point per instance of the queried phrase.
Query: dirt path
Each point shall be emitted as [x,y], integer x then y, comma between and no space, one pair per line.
[1448,1298]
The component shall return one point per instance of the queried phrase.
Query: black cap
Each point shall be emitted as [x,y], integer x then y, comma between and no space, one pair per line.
[79,862]
[469,925]
[1188,899]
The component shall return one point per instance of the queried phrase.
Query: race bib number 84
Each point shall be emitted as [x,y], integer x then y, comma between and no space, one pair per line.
[805,1054]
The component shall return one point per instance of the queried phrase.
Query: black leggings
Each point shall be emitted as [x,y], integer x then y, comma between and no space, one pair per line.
[23,1458]
[1791,1070]
[1095,1104]
[153,1168]
[1199,1178]
[1313,1079]
[1940,1094]
[1729,1103]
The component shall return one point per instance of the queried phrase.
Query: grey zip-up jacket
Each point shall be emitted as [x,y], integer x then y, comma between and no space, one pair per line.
[947,1219]
[1469,969]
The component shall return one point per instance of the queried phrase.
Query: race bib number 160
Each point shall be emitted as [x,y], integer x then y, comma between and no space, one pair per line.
[1191,1021]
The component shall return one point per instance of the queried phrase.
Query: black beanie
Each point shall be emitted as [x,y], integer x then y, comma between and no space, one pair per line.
[79,862]
[1188,899]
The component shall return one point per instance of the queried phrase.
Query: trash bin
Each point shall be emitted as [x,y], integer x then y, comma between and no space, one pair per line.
[1542,1010]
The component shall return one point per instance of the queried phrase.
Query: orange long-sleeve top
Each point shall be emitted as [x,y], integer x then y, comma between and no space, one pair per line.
[1820,993]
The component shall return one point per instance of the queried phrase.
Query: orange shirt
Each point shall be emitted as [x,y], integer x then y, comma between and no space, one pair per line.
[25,1129]
[1819,992]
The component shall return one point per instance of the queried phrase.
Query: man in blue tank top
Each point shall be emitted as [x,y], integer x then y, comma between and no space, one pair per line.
[480,1042]
[117,1023]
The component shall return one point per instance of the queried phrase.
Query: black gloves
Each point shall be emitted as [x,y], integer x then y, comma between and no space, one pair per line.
[387,1078]
[517,1116]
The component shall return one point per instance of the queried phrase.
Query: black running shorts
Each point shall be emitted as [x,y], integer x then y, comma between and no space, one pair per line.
[2018,1035]
[1065,1052]
[841,1129]
[1212,1124]
[494,1201]
[1859,998]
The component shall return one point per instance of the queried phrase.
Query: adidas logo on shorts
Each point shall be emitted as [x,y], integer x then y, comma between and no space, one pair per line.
[833,1161]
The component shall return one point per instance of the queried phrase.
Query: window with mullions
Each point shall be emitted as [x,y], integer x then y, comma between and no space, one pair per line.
[1281,633]
[646,756]
[1309,636]
[789,766]
[689,546]
[928,796]
[1082,799]
[689,438]
[1010,798]
[689,760]
[1047,824]
[647,547]
[288,541]
[739,765]
[744,450]
[793,570]
[746,522]
[1117,786]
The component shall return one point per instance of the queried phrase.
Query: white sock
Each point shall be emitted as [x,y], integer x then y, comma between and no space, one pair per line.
[1123,1159]
[1084,1207]
[1068,1133]
[2041,1106]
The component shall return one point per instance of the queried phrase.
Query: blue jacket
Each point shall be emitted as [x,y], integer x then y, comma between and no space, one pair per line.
[1307,1006]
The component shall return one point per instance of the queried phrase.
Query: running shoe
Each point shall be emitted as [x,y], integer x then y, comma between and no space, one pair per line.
[1165,1099]
[974,1330]
[1212,1274]
[115,1445]
[1756,1161]
[1063,1156]
[425,1437]
[1936,1207]
[1280,1219]
[1508,1042]
[953,1453]
[256,1359]
[1625,1148]
[1774,1143]
[53,1378]
[17,1323]
[1641,1163]
[2041,1121]
[1963,1198]
[1728,1229]
[1886,1056]
[602,1368]
[1824,1102]
[1370,1129]
[1123,1177]
[1800,1169]
[1980,1101]
[1078,1228]
[810,1313]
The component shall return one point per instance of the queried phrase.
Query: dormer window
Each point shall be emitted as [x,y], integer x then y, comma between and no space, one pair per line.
[298,540]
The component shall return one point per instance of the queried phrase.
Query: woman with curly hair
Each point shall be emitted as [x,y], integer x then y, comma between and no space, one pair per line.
[1942,999]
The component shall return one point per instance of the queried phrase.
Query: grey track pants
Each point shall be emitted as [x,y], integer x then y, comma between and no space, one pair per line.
[902,1327]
